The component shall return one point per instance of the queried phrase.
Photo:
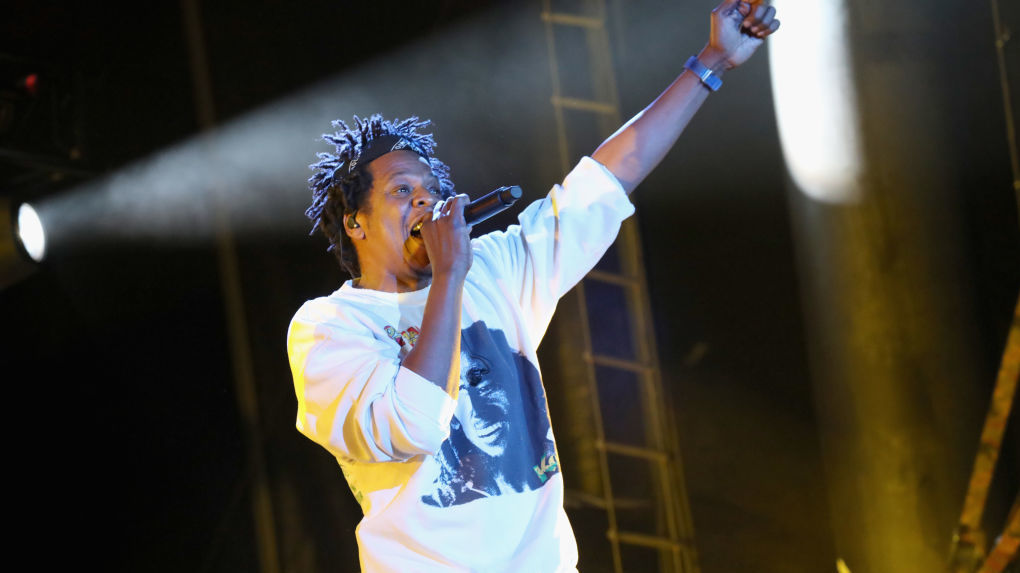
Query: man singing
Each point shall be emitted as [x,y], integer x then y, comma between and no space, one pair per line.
[420,374]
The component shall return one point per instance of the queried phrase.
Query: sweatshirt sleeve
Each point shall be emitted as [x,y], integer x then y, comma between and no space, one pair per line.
[557,241]
[354,397]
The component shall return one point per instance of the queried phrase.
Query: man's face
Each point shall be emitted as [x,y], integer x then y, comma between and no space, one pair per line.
[483,407]
[403,193]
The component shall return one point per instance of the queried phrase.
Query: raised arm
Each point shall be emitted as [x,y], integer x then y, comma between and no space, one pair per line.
[738,29]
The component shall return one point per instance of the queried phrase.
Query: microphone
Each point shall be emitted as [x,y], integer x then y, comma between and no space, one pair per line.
[486,206]
[495,202]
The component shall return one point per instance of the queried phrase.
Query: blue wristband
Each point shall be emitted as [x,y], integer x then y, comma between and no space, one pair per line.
[704,74]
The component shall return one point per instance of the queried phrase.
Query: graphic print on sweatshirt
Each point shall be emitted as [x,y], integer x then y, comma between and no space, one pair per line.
[499,434]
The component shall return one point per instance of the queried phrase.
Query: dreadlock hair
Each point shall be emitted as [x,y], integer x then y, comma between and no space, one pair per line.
[341,181]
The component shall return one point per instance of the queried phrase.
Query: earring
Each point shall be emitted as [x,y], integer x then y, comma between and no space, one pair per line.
[351,222]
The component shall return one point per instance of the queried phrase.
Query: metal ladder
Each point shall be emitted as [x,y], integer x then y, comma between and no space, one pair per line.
[641,478]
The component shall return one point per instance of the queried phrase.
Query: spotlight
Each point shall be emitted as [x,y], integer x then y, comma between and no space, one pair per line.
[815,97]
[22,241]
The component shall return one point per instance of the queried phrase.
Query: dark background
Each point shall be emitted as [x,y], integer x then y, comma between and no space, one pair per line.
[126,438]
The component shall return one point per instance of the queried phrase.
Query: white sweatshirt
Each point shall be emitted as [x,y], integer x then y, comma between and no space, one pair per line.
[472,484]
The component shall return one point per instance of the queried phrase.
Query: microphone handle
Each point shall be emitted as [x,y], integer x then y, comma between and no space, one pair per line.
[488,205]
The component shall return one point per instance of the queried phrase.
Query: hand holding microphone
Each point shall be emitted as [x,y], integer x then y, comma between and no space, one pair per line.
[448,246]
[486,206]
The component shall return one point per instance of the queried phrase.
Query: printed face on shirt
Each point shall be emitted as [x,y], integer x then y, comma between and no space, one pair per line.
[499,436]
[403,191]
[484,406]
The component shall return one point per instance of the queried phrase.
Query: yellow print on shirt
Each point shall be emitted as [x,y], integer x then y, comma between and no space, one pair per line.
[548,464]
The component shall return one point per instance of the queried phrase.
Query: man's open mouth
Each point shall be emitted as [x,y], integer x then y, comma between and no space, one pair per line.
[416,227]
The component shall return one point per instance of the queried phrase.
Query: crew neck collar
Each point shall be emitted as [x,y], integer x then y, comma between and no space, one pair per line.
[348,289]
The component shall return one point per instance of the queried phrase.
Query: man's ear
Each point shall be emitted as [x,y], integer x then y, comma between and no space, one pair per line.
[352,227]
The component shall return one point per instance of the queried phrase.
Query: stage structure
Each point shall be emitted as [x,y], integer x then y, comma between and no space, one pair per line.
[267,543]
[39,150]
[627,458]
[970,550]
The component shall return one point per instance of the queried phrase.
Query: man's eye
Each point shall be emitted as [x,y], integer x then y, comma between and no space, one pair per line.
[434,191]
[403,189]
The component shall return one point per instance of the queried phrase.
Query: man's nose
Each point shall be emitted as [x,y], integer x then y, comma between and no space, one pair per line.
[424,198]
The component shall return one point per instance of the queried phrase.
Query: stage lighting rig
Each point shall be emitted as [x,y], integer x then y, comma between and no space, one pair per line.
[22,241]
[39,141]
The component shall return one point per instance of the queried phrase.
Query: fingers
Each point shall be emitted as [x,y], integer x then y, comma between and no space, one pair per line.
[462,202]
[734,10]
[452,207]
[447,238]
[761,21]
[456,206]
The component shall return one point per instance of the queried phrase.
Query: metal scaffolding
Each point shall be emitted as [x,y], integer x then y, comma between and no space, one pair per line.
[641,478]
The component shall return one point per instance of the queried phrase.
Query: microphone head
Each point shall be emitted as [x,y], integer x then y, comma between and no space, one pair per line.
[493,202]
[510,194]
